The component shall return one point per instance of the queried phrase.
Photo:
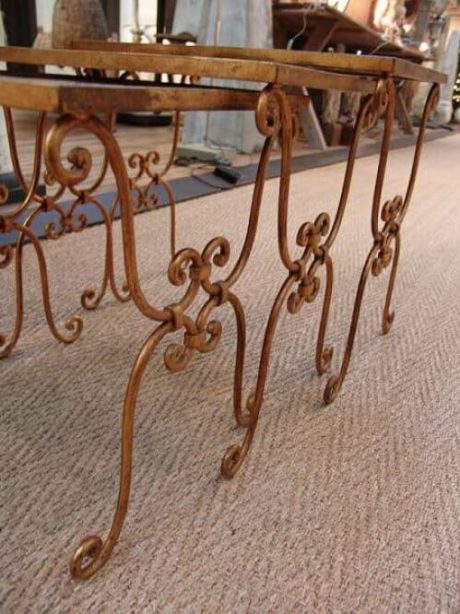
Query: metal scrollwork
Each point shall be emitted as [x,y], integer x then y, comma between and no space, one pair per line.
[309,237]
[197,272]
[72,217]
[188,268]
[378,104]
[391,213]
[386,245]
[19,220]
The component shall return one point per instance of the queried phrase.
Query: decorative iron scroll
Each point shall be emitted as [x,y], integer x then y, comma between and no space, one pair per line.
[66,203]
[197,270]
[386,222]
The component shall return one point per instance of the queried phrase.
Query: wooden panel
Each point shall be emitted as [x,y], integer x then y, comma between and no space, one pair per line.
[321,35]
[350,32]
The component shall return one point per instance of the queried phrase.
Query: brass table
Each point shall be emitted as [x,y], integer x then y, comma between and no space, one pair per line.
[146,176]
[80,103]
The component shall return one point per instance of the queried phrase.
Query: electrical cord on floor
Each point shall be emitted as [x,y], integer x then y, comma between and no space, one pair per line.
[201,179]
[194,167]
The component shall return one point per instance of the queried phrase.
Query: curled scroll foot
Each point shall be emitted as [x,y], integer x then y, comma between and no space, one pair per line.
[332,389]
[74,325]
[89,300]
[87,558]
[93,553]
[232,461]
[387,322]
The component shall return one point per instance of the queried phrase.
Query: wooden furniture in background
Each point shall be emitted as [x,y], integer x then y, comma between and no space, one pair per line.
[315,29]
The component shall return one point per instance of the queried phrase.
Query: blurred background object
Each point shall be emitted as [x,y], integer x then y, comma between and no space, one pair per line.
[78,19]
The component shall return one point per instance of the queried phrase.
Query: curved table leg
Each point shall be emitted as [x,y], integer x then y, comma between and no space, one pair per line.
[93,552]
[387,238]
[188,268]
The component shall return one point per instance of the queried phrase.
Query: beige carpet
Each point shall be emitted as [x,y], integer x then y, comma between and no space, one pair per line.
[353,507]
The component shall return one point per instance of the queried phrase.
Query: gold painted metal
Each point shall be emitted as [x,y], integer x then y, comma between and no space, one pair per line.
[303,284]
[386,234]
[196,271]
[246,69]
[144,196]
[96,95]
[190,268]
[10,254]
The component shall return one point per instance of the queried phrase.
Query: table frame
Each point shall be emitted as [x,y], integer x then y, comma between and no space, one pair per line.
[197,270]
[93,62]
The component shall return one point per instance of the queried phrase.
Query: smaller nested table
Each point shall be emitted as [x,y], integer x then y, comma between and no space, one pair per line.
[79,104]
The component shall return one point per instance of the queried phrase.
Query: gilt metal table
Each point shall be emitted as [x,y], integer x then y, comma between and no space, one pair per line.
[79,103]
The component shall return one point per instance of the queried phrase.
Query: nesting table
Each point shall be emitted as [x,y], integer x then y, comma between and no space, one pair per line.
[86,101]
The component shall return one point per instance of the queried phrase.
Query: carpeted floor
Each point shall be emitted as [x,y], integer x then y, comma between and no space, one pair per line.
[354,507]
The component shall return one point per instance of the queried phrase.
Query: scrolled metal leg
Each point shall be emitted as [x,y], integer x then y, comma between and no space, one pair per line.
[8,253]
[195,270]
[380,254]
[242,419]
[202,336]
[90,298]
[315,239]
[236,453]
[123,295]
[67,222]
[93,552]
[431,103]
[388,315]
[74,324]
[335,382]
[386,224]
[370,109]
[7,345]
[324,355]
